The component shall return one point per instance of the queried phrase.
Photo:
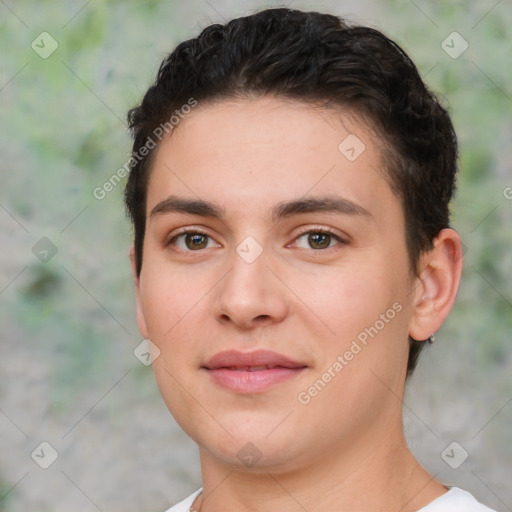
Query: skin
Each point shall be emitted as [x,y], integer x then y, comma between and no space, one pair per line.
[345,449]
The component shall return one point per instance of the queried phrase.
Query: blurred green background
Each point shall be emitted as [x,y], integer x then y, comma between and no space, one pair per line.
[68,374]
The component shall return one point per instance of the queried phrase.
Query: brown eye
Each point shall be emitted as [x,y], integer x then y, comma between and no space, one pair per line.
[319,240]
[191,241]
[196,241]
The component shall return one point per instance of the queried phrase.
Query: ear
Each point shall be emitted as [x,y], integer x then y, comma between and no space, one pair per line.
[435,288]
[141,321]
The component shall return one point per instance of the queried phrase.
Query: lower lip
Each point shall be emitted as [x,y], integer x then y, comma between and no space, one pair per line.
[252,382]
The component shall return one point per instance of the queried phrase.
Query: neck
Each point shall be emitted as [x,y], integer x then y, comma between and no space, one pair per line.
[374,473]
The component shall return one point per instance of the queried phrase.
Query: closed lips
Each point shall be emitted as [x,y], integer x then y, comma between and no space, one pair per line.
[251,372]
[253,368]
[258,360]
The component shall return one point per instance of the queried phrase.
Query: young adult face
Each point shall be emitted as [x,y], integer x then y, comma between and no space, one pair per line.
[255,281]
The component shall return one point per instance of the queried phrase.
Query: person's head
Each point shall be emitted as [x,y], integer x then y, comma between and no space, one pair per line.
[277,107]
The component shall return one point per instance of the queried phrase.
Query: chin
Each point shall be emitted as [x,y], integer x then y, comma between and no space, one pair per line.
[259,456]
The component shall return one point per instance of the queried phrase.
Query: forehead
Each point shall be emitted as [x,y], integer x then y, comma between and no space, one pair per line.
[262,151]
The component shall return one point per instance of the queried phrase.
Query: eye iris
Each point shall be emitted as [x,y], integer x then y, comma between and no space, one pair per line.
[319,240]
[196,241]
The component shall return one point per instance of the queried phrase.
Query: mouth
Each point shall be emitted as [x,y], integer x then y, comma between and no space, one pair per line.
[251,372]
[251,368]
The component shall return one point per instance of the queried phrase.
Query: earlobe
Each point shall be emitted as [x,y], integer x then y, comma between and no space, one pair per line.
[141,321]
[436,285]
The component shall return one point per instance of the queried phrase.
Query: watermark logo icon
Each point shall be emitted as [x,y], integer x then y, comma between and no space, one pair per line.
[44,250]
[44,455]
[44,45]
[454,45]
[351,147]
[146,352]
[249,249]
[454,455]
[249,455]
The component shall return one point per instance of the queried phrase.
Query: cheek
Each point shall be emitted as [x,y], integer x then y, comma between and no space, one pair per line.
[361,314]
[166,298]
[349,298]
[175,307]
[171,305]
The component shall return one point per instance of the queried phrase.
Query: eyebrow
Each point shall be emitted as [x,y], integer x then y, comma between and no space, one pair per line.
[285,209]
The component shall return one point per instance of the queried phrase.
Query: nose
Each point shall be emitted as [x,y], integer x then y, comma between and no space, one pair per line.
[251,295]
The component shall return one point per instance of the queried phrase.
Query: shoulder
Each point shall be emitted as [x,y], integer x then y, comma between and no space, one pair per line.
[184,506]
[456,500]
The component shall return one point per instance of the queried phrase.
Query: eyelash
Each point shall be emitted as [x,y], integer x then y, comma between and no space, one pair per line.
[309,230]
